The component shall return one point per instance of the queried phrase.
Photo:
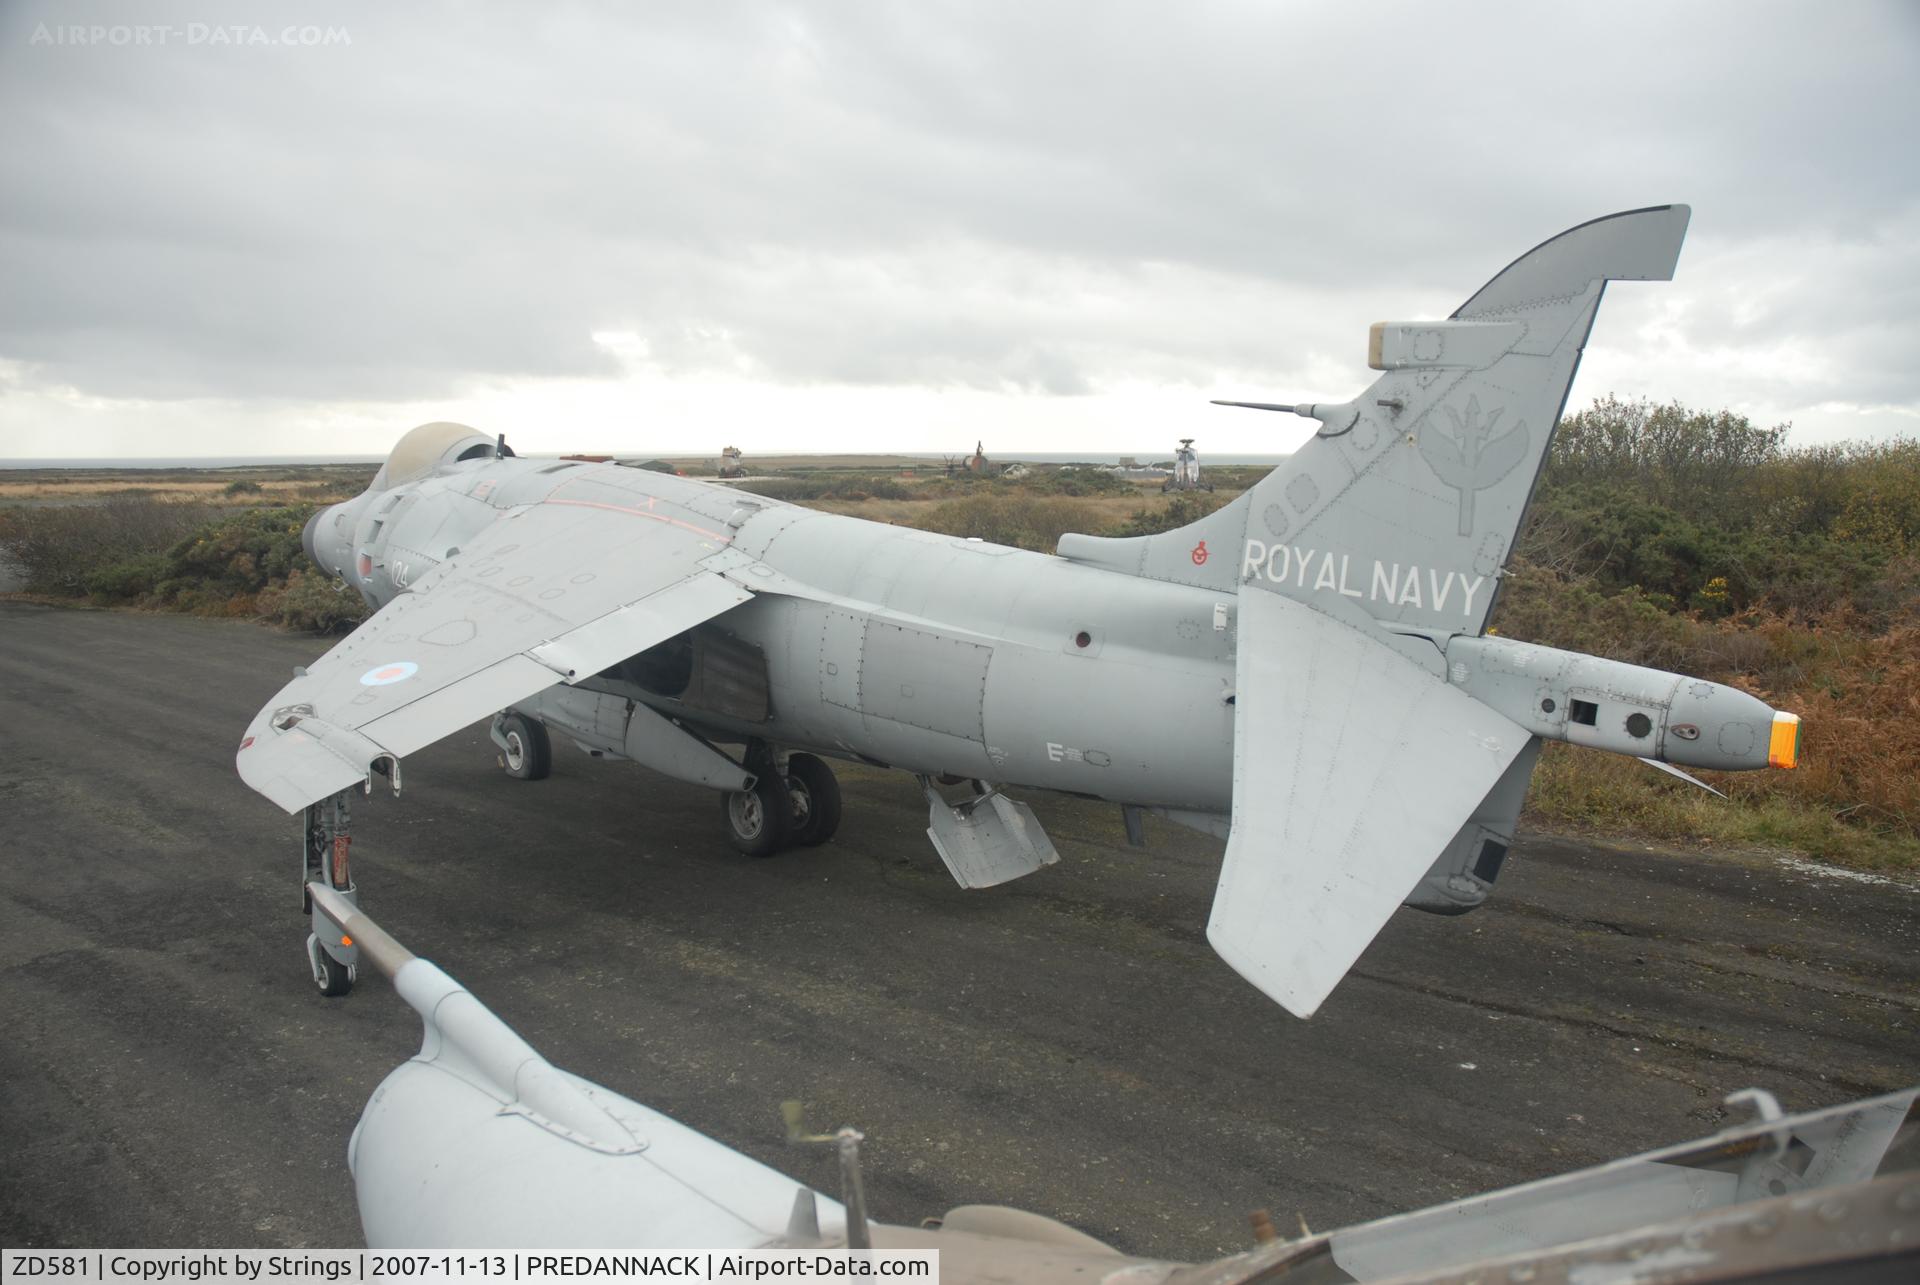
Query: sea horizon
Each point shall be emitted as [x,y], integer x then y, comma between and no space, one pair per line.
[287,461]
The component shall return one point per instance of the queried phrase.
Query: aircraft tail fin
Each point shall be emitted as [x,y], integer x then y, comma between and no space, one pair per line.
[1406,503]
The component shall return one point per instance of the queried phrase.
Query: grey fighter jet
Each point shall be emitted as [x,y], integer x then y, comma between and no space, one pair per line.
[478,1140]
[1305,673]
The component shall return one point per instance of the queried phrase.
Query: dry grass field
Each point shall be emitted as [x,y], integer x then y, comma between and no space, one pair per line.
[763,464]
[288,484]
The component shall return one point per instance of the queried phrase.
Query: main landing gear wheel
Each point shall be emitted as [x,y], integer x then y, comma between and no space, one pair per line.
[760,820]
[815,796]
[329,974]
[529,753]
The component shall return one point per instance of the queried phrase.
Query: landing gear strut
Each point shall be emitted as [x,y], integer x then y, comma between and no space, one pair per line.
[330,953]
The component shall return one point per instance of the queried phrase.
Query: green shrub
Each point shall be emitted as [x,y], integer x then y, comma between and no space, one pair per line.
[1077,482]
[134,578]
[1025,521]
[1717,516]
[1182,509]
[851,488]
[60,549]
[239,555]
[311,601]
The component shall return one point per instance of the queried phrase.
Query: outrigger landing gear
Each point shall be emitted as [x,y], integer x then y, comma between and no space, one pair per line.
[330,953]
[795,805]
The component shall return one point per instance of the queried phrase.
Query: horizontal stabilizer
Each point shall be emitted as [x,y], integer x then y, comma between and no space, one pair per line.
[1352,769]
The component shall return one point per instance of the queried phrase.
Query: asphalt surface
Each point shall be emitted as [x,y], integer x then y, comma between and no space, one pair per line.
[1067,1043]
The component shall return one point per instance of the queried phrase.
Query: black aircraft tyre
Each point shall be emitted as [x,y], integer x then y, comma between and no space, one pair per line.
[816,800]
[332,977]
[529,752]
[759,821]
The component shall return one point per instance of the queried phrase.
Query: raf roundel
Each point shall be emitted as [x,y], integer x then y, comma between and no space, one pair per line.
[386,675]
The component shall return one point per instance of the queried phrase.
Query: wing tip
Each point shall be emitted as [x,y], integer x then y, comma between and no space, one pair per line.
[1300,997]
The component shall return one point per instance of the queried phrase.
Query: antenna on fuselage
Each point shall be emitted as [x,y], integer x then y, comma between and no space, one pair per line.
[500,447]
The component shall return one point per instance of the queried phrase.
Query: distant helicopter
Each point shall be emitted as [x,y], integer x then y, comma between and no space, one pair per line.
[1186,470]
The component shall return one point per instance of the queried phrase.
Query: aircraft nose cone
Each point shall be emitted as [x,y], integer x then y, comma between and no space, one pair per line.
[306,539]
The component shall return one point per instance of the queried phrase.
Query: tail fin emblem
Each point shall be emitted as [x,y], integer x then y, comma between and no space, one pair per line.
[1199,554]
[1473,459]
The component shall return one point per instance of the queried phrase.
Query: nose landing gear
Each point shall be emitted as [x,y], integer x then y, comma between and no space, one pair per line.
[331,954]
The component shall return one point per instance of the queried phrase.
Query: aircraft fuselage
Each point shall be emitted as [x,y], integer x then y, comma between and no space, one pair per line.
[931,653]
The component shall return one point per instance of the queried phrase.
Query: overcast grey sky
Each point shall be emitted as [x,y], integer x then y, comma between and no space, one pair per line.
[300,228]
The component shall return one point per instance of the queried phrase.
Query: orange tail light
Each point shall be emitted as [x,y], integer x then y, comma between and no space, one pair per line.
[1783,750]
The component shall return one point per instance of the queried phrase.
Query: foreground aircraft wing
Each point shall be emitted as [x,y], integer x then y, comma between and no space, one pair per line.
[548,594]
[1352,768]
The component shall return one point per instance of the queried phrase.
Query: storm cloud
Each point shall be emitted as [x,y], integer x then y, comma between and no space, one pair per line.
[273,234]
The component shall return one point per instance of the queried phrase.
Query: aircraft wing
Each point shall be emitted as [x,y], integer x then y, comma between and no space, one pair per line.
[548,594]
[1352,769]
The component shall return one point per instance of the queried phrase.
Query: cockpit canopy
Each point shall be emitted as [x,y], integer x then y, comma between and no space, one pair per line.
[426,448]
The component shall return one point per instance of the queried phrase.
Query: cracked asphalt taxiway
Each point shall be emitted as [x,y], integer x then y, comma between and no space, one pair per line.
[1067,1043]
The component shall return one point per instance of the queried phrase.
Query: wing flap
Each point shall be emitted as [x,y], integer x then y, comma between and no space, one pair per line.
[609,640]
[1352,769]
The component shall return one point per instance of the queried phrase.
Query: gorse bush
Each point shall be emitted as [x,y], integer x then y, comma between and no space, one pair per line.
[242,554]
[311,601]
[1077,482]
[1667,454]
[801,489]
[1024,521]
[1183,509]
[61,549]
[189,557]
[1707,513]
